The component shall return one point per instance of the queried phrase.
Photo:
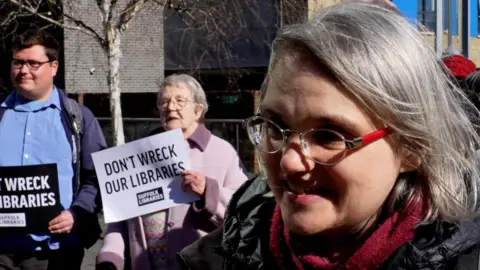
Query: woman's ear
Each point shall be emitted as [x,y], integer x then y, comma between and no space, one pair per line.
[410,162]
[199,111]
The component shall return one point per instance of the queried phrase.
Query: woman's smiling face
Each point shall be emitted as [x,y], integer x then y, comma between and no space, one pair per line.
[333,199]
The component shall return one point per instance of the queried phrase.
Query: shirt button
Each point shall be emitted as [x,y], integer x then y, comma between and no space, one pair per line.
[28,133]
[26,155]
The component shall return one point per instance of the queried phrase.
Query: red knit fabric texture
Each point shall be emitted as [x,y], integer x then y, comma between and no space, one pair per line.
[459,65]
[396,231]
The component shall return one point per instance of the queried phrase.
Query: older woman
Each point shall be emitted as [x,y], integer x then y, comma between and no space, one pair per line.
[367,155]
[153,240]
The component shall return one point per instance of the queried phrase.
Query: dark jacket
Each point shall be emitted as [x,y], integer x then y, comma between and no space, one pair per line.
[86,202]
[243,243]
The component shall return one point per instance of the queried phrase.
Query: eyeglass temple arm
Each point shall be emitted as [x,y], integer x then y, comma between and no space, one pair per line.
[369,138]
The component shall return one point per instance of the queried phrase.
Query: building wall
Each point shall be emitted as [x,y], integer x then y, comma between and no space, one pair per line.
[314,5]
[423,11]
[142,47]
[475,46]
[410,8]
[213,42]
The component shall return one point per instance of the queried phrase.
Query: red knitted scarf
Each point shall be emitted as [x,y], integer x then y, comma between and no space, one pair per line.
[396,231]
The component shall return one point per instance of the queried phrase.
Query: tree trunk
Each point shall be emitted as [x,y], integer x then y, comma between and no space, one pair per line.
[114,55]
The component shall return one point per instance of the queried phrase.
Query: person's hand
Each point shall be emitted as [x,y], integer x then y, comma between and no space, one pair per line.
[194,181]
[63,223]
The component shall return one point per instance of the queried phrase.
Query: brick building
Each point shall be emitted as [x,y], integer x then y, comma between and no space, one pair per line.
[225,63]
[229,62]
[86,64]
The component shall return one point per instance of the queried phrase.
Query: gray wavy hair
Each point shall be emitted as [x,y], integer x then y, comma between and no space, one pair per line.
[383,62]
[192,84]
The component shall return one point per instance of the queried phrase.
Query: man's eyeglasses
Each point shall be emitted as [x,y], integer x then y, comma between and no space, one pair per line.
[324,146]
[31,64]
[178,103]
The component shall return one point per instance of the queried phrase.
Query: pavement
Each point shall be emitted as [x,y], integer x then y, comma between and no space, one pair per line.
[90,254]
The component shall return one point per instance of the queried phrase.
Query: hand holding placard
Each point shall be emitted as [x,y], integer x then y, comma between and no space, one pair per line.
[29,197]
[63,223]
[195,182]
[143,176]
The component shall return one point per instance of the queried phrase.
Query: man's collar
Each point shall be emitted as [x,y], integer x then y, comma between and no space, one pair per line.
[54,98]
[14,100]
[9,102]
[200,137]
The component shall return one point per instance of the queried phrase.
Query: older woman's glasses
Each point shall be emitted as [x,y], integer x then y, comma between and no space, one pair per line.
[178,103]
[324,146]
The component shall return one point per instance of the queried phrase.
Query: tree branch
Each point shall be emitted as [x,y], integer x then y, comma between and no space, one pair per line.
[100,4]
[86,29]
[129,13]
[79,25]
[111,10]
[101,8]
[107,8]
[6,19]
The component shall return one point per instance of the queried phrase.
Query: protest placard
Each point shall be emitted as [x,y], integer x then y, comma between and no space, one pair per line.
[143,176]
[29,198]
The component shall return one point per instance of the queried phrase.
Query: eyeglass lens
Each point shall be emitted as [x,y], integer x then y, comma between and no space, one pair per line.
[177,103]
[322,145]
[31,64]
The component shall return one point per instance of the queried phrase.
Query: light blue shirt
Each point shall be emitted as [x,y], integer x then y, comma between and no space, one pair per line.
[31,133]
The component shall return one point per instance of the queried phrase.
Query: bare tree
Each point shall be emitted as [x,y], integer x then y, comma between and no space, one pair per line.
[229,37]
[232,36]
[218,35]
[6,17]
[115,17]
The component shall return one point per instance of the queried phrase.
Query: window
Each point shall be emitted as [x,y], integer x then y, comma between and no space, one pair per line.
[427,15]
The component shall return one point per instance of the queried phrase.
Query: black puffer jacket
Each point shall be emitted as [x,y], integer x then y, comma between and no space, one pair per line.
[243,242]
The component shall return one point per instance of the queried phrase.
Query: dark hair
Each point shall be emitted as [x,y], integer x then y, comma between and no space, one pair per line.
[471,85]
[37,37]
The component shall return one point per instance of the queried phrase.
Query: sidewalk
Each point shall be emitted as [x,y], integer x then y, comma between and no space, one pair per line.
[89,260]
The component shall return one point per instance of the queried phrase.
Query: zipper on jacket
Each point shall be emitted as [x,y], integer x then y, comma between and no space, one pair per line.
[74,149]
[75,154]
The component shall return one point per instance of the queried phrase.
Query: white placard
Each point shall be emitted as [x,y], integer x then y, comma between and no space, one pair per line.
[143,176]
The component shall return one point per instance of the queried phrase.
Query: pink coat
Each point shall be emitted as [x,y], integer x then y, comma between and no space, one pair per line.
[219,162]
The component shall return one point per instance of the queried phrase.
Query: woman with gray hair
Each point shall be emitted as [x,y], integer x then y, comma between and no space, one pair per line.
[367,155]
[153,240]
